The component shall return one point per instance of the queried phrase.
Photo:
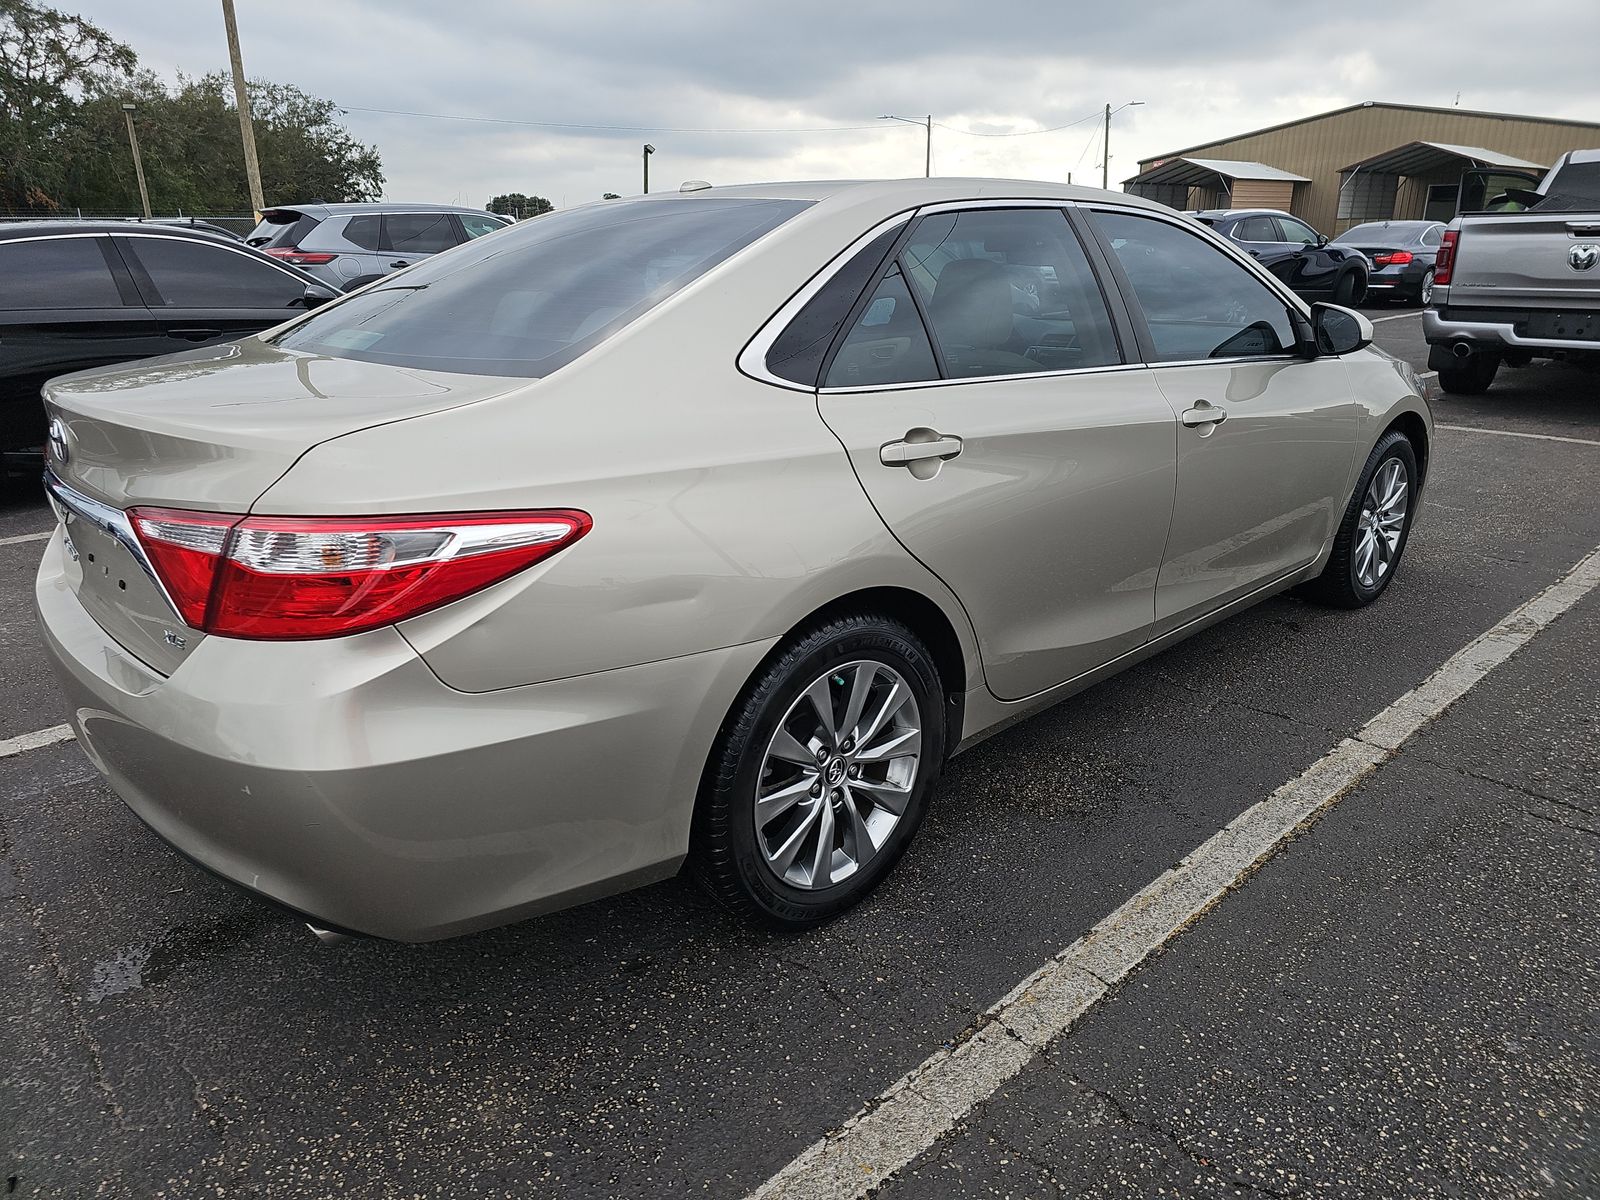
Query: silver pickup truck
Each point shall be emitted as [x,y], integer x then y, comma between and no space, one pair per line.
[1520,280]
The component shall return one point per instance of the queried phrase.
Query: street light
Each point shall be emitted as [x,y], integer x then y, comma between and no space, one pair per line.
[1105,165]
[138,163]
[927,123]
[648,151]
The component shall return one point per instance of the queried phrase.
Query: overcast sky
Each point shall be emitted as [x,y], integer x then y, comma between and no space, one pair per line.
[665,72]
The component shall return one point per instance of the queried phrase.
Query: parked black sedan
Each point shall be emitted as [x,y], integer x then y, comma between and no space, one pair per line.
[1402,254]
[1293,251]
[85,294]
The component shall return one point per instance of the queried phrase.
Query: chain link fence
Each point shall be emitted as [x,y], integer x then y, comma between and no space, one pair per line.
[237,223]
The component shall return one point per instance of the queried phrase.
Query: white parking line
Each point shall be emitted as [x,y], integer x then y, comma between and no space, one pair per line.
[1541,437]
[1395,317]
[924,1105]
[26,537]
[32,741]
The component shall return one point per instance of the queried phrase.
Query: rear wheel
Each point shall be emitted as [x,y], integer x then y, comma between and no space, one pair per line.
[1425,290]
[821,773]
[1472,378]
[1377,521]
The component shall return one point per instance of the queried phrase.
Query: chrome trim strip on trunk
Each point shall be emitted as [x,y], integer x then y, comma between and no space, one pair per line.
[72,505]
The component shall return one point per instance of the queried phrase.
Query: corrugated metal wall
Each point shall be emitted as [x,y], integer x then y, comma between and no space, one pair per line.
[1263,193]
[1317,148]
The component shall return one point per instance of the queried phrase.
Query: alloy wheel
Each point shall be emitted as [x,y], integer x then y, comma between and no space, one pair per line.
[1426,294]
[838,774]
[1382,522]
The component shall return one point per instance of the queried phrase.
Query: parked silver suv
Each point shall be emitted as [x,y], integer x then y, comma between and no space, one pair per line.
[348,245]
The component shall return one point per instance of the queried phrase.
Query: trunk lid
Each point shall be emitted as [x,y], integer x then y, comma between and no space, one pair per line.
[209,429]
[1524,260]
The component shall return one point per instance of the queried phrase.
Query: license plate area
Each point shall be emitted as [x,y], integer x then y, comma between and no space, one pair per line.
[1563,326]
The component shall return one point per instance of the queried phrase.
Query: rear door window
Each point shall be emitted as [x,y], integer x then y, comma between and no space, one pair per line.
[1008,292]
[1256,229]
[417,233]
[535,298]
[193,274]
[56,273]
[797,353]
[363,231]
[887,344]
[1197,302]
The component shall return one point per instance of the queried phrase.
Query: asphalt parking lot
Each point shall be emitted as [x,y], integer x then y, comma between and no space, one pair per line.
[1400,1002]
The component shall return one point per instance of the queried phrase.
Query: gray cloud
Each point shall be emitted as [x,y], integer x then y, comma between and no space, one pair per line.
[1203,71]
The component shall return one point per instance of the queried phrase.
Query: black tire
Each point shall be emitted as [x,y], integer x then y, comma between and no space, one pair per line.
[1472,378]
[1340,585]
[725,853]
[1344,290]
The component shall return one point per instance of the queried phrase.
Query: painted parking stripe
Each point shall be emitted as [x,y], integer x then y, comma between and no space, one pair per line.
[1539,437]
[26,537]
[32,741]
[1395,317]
[908,1118]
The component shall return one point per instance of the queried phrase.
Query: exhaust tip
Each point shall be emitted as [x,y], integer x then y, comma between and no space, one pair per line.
[328,937]
[1462,349]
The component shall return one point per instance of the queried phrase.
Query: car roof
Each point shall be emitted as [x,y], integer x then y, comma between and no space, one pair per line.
[374,206]
[1231,213]
[44,228]
[909,192]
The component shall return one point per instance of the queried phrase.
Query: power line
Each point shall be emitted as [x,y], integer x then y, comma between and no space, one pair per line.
[1019,132]
[395,112]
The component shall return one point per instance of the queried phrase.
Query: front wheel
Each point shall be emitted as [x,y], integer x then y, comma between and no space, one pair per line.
[1377,521]
[821,773]
[1344,291]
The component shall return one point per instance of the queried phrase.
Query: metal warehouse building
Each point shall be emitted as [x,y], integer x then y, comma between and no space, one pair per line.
[1367,162]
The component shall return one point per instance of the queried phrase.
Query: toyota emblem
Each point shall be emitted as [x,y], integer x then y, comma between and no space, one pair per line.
[58,440]
[1581,258]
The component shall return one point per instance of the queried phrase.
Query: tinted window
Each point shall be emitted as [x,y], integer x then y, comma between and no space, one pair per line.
[1430,236]
[1009,291]
[362,231]
[887,343]
[1256,229]
[477,226]
[195,275]
[56,273]
[281,227]
[798,351]
[535,298]
[1197,302]
[418,233]
[1295,231]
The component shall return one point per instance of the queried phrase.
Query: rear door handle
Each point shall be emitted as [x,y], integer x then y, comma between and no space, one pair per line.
[195,335]
[904,453]
[398,263]
[1204,413]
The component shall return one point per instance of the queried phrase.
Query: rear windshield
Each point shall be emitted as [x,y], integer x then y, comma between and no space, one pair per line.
[281,227]
[1384,231]
[534,297]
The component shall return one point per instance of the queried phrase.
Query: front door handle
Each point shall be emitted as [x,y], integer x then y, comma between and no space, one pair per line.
[195,335]
[904,453]
[1204,413]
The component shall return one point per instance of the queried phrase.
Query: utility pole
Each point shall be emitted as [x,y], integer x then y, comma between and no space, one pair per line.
[138,163]
[1105,165]
[927,156]
[241,98]
[1105,158]
[648,151]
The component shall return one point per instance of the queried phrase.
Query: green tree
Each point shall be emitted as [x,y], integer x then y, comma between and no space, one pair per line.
[47,58]
[515,204]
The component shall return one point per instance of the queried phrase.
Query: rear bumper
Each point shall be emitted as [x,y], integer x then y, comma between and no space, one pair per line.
[1494,335]
[342,779]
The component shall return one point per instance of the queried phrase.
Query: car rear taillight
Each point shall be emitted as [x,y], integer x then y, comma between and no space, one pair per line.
[274,578]
[1397,258]
[301,258]
[1446,260]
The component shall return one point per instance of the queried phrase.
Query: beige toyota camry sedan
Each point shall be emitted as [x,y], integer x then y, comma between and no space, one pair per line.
[695,528]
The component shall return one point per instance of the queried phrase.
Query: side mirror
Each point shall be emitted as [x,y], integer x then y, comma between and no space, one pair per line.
[1339,330]
[1322,240]
[317,294]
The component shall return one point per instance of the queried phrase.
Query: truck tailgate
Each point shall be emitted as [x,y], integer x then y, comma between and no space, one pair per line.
[1527,260]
